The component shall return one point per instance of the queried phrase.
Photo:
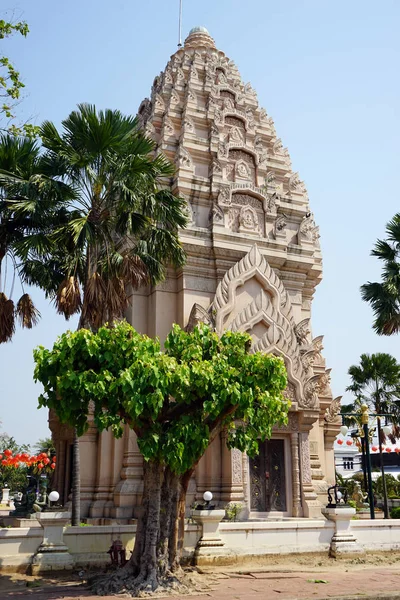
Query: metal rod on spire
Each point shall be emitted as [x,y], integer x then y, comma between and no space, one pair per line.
[180,24]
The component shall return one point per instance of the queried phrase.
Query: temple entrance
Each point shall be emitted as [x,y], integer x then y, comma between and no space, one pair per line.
[268,478]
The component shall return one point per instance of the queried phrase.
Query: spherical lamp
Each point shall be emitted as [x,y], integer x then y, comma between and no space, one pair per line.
[54,496]
[207,496]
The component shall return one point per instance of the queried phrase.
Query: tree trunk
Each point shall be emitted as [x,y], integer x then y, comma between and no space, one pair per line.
[155,561]
[76,482]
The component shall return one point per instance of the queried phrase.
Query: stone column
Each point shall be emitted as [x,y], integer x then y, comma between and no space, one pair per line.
[294,444]
[88,453]
[128,491]
[104,474]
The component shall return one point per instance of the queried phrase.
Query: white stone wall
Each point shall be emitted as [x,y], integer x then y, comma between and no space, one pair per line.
[89,545]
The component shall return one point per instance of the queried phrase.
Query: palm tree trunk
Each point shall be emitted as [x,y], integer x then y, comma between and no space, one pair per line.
[385,499]
[76,482]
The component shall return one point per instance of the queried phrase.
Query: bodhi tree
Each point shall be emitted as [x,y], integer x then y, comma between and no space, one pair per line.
[176,401]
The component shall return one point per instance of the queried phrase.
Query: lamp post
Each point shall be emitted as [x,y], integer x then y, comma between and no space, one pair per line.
[386,429]
[364,422]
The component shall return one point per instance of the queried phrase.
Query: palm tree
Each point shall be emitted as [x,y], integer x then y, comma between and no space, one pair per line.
[384,297]
[376,382]
[22,182]
[121,229]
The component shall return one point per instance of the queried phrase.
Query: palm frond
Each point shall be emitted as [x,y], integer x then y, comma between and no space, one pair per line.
[68,299]
[7,320]
[26,312]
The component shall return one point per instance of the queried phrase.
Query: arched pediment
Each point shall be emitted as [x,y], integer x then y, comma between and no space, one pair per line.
[251,297]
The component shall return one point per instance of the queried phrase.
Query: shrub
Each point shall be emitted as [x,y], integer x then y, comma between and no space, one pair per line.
[395,513]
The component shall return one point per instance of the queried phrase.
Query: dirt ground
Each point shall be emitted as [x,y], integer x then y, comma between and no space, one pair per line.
[290,577]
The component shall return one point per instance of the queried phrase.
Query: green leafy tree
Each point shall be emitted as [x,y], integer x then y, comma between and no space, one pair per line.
[384,296]
[176,401]
[11,84]
[120,229]
[376,382]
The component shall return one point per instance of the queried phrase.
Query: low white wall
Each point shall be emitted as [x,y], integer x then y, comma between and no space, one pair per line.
[17,547]
[89,545]
[377,534]
[277,537]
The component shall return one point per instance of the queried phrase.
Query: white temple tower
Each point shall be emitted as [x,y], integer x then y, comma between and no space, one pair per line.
[253,262]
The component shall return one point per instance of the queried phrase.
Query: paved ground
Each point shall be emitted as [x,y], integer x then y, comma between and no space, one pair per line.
[313,578]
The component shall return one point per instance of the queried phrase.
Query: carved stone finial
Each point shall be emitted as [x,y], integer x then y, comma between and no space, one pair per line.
[333,410]
[198,314]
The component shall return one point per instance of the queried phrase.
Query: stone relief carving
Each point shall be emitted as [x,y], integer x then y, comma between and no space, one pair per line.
[237,474]
[189,212]
[242,170]
[188,124]
[150,130]
[168,126]
[280,227]
[214,129]
[302,331]
[216,168]
[180,75]
[333,410]
[308,231]
[235,135]
[175,100]
[305,458]
[272,203]
[324,381]
[310,395]
[168,76]
[159,102]
[290,392]
[258,143]
[233,219]
[248,220]
[192,95]
[223,149]
[218,116]
[216,216]
[221,78]
[193,74]
[277,147]
[224,196]
[295,183]
[184,159]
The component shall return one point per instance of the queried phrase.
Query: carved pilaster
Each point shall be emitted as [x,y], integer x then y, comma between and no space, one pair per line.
[294,444]
[311,505]
[232,474]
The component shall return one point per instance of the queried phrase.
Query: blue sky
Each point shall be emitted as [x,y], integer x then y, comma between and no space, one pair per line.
[326,72]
